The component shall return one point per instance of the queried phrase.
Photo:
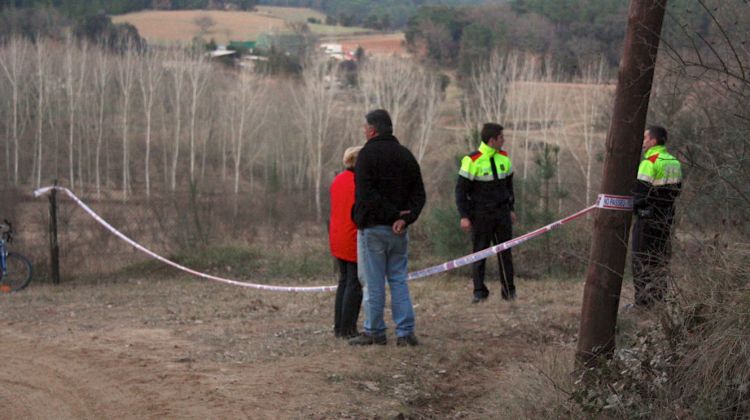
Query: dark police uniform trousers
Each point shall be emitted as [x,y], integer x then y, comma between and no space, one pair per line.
[652,249]
[487,229]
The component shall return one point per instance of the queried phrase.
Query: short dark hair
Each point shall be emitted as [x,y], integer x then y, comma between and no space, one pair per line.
[380,120]
[658,132]
[491,130]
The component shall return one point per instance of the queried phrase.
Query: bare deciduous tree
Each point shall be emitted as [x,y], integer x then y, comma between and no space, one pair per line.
[41,87]
[388,83]
[101,80]
[315,104]
[12,62]
[126,70]
[247,118]
[198,73]
[583,137]
[178,61]
[430,97]
[489,85]
[75,58]
[204,23]
[151,72]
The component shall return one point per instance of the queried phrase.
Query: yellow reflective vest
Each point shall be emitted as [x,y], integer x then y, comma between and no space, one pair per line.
[658,185]
[485,182]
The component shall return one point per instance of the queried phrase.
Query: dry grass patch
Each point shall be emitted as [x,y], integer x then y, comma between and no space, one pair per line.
[159,26]
[179,25]
[377,44]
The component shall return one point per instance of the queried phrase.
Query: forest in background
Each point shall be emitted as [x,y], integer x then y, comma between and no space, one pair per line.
[570,32]
[78,8]
[454,34]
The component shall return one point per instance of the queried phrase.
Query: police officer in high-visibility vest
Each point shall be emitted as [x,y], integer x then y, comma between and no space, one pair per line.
[484,197]
[658,185]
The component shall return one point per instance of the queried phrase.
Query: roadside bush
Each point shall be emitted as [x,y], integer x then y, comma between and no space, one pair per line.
[689,357]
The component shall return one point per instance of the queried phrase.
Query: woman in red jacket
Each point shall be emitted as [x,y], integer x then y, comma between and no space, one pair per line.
[342,237]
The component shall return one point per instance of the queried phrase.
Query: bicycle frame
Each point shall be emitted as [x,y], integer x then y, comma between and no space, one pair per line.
[3,258]
[6,235]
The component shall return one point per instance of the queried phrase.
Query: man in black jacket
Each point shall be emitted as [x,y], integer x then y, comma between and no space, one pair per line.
[389,195]
[484,197]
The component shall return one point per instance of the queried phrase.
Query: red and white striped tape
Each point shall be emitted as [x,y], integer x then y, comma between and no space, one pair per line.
[609,202]
[147,251]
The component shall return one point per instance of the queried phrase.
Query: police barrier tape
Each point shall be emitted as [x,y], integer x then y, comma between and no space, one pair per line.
[609,202]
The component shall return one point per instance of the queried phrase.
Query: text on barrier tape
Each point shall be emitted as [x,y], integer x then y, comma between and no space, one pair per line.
[607,202]
[615,202]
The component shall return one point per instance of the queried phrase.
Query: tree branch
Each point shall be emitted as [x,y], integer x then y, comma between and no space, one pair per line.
[726,37]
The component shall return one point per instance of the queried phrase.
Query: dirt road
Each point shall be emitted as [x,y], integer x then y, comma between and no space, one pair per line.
[181,348]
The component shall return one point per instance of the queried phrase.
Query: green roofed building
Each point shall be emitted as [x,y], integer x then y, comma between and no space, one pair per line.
[241,45]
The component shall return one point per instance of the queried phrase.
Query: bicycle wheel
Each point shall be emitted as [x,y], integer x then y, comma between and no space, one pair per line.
[18,275]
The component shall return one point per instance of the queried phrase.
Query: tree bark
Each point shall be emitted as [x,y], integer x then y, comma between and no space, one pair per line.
[601,296]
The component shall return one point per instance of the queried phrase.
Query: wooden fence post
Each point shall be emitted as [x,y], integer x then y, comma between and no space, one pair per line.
[54,249]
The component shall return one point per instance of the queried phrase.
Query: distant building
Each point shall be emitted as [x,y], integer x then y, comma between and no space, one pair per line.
[222,51]
[331,49]
[248,46]
[251,62]
[337,51]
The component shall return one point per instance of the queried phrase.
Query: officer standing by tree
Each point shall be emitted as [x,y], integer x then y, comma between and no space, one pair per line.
[484,197]
[658,185]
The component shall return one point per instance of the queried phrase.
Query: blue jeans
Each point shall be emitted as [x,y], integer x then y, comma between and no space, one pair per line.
[382,255]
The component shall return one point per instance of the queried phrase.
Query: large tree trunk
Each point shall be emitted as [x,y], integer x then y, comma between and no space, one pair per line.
[601,297]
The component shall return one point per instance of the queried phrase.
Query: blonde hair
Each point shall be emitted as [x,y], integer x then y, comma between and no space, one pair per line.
[350,156]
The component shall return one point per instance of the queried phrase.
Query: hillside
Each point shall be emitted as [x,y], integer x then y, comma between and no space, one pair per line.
[180,25]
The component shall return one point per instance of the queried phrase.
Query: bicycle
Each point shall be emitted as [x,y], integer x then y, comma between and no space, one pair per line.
[15,269]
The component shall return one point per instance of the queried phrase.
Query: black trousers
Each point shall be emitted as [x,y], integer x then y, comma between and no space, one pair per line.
[486,230]
[348,300]
[651,252]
